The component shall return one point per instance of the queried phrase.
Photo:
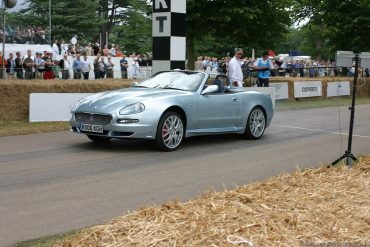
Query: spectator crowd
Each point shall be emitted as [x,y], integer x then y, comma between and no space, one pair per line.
[282,67]
[56,64]
[28,35]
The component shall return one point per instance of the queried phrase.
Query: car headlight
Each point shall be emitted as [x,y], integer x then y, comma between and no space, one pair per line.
[132,109]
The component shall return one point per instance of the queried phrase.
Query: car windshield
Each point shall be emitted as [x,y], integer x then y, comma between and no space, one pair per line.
[174,80]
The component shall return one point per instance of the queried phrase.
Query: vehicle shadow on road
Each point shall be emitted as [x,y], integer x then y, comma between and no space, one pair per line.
[215,142]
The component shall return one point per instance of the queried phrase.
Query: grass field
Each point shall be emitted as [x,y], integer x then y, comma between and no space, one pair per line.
[25,128]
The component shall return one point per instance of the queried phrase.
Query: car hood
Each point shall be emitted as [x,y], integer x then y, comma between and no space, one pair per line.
[124,97]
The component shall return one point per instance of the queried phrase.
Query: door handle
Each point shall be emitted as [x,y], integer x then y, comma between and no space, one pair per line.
[235,99]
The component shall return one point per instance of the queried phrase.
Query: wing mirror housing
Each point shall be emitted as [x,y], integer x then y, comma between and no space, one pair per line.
[134,84]
[210,89]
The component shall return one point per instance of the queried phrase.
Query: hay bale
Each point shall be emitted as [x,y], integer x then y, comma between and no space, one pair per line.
[14,95]
[319,205]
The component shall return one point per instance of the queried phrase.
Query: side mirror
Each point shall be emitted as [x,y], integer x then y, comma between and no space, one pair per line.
[134,84]
[210,89]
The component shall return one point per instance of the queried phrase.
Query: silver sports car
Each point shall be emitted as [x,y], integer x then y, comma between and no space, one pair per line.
[170,106]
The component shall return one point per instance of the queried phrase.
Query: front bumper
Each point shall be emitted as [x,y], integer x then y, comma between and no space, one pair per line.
[143,129]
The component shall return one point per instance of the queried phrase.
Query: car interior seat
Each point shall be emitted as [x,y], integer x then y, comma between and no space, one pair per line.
[220,85]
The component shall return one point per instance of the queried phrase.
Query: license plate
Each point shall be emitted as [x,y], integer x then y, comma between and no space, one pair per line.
[92,128]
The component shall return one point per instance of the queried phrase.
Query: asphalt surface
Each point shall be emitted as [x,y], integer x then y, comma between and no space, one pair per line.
[55,182]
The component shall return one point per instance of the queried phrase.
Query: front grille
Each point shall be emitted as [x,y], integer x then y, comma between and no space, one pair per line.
[90,118]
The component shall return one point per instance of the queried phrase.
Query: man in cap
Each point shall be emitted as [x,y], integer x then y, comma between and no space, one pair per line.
[39,66]
[234,70]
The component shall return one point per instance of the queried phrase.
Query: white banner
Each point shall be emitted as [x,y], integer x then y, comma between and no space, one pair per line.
[281,90]
[304,89]
[338,88]
[48,107]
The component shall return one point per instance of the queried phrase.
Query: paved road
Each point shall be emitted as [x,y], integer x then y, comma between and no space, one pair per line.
[54,182]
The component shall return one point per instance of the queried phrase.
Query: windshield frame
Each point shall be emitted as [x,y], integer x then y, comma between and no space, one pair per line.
[170,85]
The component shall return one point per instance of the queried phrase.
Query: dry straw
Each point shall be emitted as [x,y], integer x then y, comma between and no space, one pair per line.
[323,205]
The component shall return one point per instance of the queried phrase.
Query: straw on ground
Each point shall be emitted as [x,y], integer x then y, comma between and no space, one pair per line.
[322,205]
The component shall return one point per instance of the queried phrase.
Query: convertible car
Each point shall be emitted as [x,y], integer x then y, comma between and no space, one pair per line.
[172,105]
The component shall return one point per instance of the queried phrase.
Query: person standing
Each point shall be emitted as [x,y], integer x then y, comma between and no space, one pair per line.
[65,65]
[96,67]
[18,65]
[55,50]
[102,68]
[85,68]
[88,50]
[48,72]
[135,68]
[263,65]
[10,67]
[96,49]
[105,51]
[113,50]
[235,70]
[2,66]
[39,66]
[124,66]
[28,65]
[63,47]
[77,67]
[109,67]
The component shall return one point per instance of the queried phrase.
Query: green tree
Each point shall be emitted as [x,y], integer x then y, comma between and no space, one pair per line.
[134,31]
[258,24]
[118,13]
[69,18]
[345,24]
[309,39]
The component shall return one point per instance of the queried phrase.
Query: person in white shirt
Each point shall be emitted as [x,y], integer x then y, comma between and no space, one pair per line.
[55,49]
[135,68]
[64,47]
[86,67]
[65,65]
[113,50]
[234,70]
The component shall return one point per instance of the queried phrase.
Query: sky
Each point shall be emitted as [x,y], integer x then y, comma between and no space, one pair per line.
[17,7]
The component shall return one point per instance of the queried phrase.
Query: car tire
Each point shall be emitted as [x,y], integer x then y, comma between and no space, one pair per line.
[170,131]
[99,139]
[256,124]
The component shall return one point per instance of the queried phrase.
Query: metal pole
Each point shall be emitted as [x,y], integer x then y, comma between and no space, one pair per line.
[100,37]
[50,21]
[354,90]
[106,38]
[348,154]
[3,56]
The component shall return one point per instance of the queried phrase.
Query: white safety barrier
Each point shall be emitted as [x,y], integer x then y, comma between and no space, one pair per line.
[339,88]
[304,89]
[141,73]
[281,90]
[48,107]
